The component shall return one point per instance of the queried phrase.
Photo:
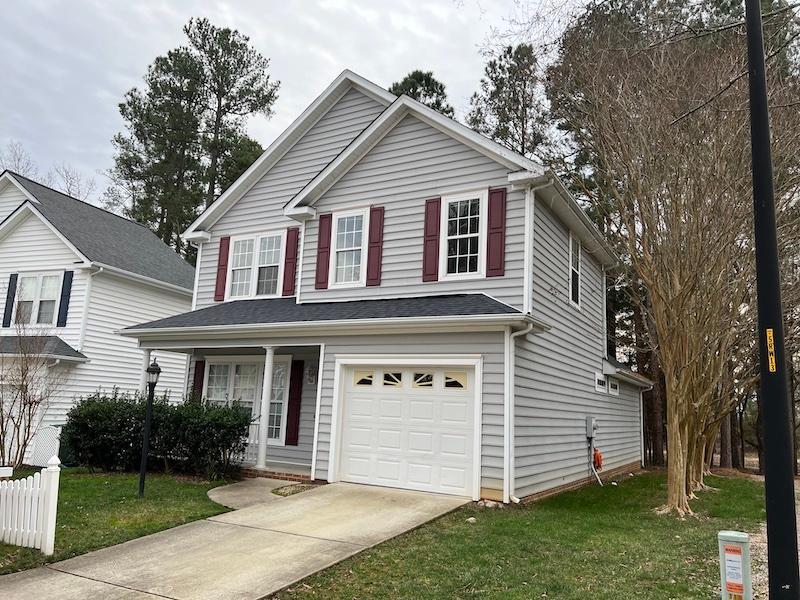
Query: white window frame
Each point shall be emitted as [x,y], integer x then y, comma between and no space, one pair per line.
[598,388]
[37,298]
[572,239]
[254,267]
[248,359]
[483,203]
[609,381]
[362,276]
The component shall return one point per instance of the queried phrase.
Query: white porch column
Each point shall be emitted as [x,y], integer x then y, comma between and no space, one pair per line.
[143,377]
[266,396]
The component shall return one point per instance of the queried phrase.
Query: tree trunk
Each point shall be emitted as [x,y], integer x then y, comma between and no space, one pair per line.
[725,455]
[677,463]
[656,420]
[737,460]
[214,155]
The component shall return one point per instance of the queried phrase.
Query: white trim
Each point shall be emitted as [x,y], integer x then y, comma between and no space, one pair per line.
[198,266]
[299,274]
[507,422]
[142,278]
[580,272]
[315,443]
[435,360]
[12,220]
[527,262]
[483,205]
[382,125]
[285,142]
[604,309]
[10,179]
[362,274]
[256,238]
[86,301]
[641,426]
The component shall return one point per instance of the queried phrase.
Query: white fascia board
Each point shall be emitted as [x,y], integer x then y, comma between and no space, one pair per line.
[104,268]
[291,135]
[381,126]
[569,211]
[625,375]
[7,178]
[336,327]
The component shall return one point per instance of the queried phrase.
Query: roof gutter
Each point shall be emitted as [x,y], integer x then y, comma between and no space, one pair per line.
[516,320]
[142,278]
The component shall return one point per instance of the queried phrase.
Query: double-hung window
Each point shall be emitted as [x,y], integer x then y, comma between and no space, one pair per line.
[574,271]
[255,266]
[463,235]
[239,380]
[37,299]
[349,248]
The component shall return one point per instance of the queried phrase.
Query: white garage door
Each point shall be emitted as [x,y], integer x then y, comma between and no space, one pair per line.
[409,427]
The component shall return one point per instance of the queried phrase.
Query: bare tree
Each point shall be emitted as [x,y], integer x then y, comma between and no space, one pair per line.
[15,158]
[72,182]
[29,380]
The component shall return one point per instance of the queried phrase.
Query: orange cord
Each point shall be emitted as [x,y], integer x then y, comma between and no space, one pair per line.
[598,460]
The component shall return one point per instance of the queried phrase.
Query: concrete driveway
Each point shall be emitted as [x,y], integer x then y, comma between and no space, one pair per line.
[244,554]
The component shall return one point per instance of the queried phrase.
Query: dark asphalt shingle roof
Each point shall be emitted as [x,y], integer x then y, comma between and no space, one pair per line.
[286,310]
[49,345]
[110,239]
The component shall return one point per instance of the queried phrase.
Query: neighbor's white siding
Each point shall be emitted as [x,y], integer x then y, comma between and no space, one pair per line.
[555,370]
[261,208]
[10,198]
[412,163]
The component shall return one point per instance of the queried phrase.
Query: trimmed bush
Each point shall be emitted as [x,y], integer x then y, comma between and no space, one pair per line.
[105,432]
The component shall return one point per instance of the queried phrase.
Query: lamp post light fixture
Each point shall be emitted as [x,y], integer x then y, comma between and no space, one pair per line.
[153,371]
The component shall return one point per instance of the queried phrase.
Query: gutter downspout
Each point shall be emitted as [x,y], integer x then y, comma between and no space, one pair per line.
[86,300]
[508,424]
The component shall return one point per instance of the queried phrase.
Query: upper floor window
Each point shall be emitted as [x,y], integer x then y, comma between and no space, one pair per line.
[463,235]
[255,266]
[575,271]
[349,241]
[37,299]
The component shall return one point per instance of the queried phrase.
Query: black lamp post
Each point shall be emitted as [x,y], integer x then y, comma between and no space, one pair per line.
[153,371]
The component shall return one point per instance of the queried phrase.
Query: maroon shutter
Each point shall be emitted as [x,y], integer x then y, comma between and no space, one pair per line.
[222,268]
[323,252]
[290,261]
[375,247]
[496,234]
[197,379]
[430,248]
[293,410]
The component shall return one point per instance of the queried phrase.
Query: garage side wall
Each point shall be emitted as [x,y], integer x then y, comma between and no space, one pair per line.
[487,344]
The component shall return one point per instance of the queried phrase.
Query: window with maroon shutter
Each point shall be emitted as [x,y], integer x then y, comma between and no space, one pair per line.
[375,247]
[323,252]
[430,248]
[290,261]
[222,268]
[496,233]
[293,408]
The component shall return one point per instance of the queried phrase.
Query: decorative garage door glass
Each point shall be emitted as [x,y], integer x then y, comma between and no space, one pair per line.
[409,427]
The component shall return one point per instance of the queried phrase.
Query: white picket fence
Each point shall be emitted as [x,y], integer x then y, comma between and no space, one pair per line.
[28,509]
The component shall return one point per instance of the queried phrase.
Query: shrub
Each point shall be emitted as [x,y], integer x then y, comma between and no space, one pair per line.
[105,432]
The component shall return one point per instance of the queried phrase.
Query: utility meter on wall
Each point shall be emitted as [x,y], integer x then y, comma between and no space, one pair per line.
[591,427]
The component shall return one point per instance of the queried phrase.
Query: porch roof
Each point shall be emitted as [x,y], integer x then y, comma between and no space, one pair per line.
[286,311]
[49,346]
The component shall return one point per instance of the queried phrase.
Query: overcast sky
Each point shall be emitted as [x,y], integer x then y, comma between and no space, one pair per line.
[67,63]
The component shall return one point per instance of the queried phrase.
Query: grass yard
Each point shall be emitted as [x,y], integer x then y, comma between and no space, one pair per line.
[592,543]
[96,510]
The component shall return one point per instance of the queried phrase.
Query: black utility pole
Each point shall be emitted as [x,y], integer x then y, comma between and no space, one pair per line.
[773,395]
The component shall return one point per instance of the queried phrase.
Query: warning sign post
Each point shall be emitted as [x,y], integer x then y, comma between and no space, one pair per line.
[734,565]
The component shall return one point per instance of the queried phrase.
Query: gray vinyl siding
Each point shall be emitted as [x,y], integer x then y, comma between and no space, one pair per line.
[554,382]
[260,209]
[487,344]
[412,163]
[301,453]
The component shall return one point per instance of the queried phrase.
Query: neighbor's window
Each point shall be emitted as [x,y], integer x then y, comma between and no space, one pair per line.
[613,386]
[349,248]
[463,232]
[574,270]
[600,383]
[255,265]
[37,296]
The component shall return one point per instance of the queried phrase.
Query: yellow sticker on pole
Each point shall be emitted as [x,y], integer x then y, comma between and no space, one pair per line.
[773,365]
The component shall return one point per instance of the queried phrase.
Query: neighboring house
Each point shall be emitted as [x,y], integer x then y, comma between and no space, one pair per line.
[427,304]
[71,275]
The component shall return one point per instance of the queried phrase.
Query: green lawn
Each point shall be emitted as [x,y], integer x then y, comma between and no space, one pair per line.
[101,509]
[593,543]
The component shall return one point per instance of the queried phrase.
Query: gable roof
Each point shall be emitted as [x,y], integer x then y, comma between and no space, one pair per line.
[103,238]
[346,81]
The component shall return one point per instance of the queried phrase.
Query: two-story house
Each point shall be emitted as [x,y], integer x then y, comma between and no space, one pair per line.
[71,275]
[427,305]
